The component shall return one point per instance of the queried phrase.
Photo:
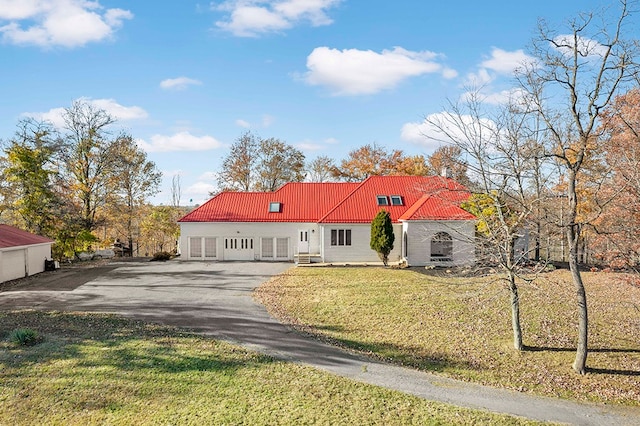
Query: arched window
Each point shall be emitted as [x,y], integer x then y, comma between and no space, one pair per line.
[441,247]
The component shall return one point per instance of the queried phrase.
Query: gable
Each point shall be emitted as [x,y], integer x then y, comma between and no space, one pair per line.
[362,204]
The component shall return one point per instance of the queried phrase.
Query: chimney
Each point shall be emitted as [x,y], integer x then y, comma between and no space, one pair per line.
[446,172]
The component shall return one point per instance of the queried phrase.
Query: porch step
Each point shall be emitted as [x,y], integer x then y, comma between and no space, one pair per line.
[304,259]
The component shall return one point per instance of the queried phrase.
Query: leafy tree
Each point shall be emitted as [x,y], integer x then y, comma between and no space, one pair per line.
[617,238]
[29,173]
[134,180]
[89,159]
[264,165]
[375,160]
[574,76]
[278,163]
[382,235]
[159,227]
[238,168]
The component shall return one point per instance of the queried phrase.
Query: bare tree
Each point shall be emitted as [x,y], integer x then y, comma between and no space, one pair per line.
[500,158]
[319,170]
[574,76]
[255,164]
[176,191]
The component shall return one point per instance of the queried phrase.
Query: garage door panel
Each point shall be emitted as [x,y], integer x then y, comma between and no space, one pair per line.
[236,248]
[13,265]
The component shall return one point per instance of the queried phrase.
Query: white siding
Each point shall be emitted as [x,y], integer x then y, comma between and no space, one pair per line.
[36,256]
[359,250]
[19,262]
[285,235]
[419,235]
[13,265]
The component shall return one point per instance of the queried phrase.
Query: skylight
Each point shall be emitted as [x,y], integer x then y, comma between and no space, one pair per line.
[382,200]
[275,207]
[396,200]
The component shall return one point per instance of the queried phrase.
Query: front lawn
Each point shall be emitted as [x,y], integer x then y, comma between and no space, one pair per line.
[99,369]
[461,327]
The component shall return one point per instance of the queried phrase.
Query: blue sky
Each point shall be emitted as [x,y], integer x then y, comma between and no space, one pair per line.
[327,76]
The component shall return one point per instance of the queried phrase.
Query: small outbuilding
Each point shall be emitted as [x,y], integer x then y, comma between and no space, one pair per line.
[22,253]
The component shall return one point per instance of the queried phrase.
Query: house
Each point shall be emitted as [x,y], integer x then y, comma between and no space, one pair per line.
[22,253]
[331,223]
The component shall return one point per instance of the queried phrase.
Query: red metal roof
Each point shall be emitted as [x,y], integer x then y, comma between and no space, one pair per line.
[437,207]
[14,237]
[361,206]
[300,202]
[337,202]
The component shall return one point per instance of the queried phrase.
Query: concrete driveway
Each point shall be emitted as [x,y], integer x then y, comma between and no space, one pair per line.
[216,299]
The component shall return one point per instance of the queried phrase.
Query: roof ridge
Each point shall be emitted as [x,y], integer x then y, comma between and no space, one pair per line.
[344,199]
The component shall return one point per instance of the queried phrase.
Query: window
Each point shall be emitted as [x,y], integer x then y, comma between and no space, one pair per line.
[382,200]
[396,200]
[341,237]
[210,247]
[275,207]
[195,247]
[282,248]
[267,247]
[441,247]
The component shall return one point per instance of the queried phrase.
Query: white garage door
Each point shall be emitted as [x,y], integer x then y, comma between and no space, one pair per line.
[238,249]
[13,264]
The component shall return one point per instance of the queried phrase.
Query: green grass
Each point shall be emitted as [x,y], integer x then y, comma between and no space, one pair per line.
[100,369]
[461,327]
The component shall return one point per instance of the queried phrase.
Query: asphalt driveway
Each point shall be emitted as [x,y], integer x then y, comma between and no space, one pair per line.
[216,299]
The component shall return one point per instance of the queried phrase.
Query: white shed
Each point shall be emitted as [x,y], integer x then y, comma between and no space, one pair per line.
[22,253]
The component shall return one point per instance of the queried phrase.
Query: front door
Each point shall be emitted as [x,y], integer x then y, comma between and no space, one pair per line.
[303,241]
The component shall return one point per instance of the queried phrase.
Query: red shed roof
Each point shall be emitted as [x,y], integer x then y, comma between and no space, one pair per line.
[421,198]
[14,237]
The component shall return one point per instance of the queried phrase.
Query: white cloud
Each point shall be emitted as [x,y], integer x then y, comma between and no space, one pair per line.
[504,62]
[586,47]
[199,191]
[67,23]
[208,176]
[430,136]
[267,120]
[179,83]
[308,145]
[113,108]
[251,18]
[182,141]
[361,72]
[243,123]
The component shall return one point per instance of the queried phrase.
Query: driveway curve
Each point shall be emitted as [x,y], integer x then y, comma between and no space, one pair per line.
[215,299]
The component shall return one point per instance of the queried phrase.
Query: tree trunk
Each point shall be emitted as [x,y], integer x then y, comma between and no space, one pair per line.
[580,363]
[515,313]
[573,238]
[515,298]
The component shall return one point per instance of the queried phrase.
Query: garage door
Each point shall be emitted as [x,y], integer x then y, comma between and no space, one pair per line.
[238,249]
[13,265]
